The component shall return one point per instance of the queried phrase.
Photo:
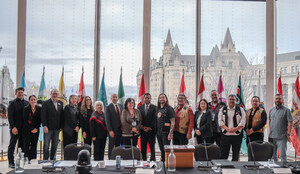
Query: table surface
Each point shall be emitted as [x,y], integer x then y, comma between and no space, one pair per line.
[110,169]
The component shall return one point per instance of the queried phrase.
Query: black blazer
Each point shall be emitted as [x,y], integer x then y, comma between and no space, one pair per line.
[16,113]
[71,119]
[51,117]
[32,121]
[205,124]
[98,127]
[111,117]
[148,120]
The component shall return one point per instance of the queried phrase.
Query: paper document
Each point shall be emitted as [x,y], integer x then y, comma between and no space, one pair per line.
[265,164]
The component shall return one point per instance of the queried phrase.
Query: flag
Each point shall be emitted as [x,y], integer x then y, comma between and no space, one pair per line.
[279,88]
[102,92]
[61,89]
[22,83]
[81,90]
[259,91]
[295,134]
[201,89]
[121,93]
[221,89]
[182,89]
[142,91]
[241,103]
[41,98]
[4,129]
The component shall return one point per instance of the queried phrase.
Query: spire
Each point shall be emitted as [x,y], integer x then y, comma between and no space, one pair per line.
[227,40]
[169,39]
[176,50]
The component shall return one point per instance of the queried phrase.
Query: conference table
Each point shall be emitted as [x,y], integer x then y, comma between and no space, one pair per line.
[111,169]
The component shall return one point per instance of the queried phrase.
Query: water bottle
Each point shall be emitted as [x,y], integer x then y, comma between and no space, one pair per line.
[20,161]
[118,162]
[172,161]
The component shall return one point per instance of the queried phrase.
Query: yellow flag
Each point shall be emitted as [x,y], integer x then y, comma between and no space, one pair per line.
[61,90]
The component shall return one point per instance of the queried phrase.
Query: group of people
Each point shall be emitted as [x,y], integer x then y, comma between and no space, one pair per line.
[213,122]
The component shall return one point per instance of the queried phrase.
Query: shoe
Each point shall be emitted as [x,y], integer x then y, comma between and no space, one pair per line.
[11,165]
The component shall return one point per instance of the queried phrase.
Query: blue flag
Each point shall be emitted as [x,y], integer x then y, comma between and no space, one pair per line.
[41,98]
[22,83]
[102,92]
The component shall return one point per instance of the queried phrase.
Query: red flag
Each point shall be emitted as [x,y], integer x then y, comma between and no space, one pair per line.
[296,95]
[295,134]
[182,85]
[279,88]
[142,91]
[201,90]
[81,90]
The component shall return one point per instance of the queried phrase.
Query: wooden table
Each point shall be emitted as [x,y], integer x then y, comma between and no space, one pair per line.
[184,155]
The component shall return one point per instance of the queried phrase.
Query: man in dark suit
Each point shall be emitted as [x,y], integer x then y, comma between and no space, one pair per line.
[51,115]
[113,123]
[15,118]
[148,132]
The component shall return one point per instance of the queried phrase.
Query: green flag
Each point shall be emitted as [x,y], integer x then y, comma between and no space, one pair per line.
[102,92]
[22,83]
[121,93]
[41,98]
[241,103]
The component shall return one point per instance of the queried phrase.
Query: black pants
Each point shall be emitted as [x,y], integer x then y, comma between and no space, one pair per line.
[179,138]
[99,147]
[162,139]
[12,144]
[256,136]
[148,137]
[216,138]
[200,140]
[114,142]
[127,140]
[30,143]
[233,141]
[88,139]
[67,139]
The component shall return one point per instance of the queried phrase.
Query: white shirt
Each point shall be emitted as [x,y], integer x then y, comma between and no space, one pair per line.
[116,105]
[199,119]
[55,103]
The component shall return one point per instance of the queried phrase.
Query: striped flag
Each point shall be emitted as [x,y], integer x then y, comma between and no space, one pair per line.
[142,91]
[201,89]
[121,93]
[102,92]
[295,134]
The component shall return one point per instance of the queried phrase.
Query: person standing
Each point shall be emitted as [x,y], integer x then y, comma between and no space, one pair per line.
[16,121]
[184,121]
[281,122]
[256,119]
[52,121]
[215,105]
[71,122]
[32,122]
[203,125]
[131,121]
[113,122]
[85,114]
[165,123]
[232,119]
[148,130]
[98,131]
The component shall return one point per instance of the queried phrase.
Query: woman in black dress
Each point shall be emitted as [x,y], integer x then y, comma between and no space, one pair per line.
[71,122]
[98,131]
[85,114]
[32,122]
[203,123]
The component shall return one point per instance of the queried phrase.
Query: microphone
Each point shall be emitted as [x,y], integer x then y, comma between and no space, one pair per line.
[132,152]
[254,166]
[207,167]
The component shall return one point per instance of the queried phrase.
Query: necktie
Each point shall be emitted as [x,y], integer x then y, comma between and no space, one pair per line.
[118,114]
[146,111]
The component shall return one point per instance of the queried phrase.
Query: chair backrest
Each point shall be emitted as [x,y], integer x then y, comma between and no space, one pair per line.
[71,151]
[262,151]
[126,152]
[213,152]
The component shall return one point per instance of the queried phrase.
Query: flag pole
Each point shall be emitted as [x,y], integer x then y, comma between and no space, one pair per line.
[2,153]
[221,72]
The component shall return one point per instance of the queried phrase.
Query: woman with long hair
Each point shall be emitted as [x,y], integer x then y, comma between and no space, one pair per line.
[32,122]
[131,121]
[98,131]
[203,123]
[86,112]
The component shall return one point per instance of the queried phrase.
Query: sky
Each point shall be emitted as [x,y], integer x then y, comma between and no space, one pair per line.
[61,33]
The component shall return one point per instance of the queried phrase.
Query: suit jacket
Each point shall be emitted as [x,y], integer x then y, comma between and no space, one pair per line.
[32,121]
[16,113]
[148,120]
[111,118]
[51,117]
[205,124]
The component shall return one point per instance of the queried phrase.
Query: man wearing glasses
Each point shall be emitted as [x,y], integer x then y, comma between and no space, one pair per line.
[52,115]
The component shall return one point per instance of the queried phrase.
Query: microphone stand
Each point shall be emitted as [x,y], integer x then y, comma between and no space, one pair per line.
[207,167]
[254,166]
